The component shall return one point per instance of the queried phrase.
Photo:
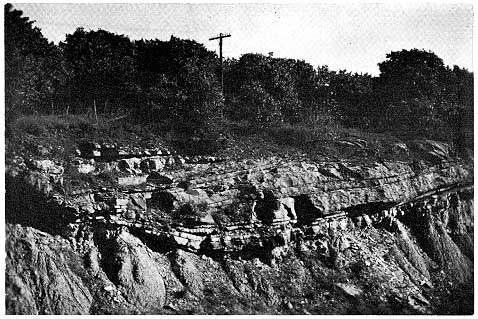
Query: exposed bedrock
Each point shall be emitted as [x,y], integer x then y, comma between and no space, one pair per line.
[129,264]
[41,275]
[240,238]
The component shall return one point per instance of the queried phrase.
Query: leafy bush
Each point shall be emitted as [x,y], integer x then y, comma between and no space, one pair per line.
[236,212]
[189,213]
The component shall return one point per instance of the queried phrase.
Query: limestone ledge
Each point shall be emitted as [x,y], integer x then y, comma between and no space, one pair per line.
[286,201]
[254,235]
[325,188]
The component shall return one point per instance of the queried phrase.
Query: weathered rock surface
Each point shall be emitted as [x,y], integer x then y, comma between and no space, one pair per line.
[130,266]
[153,232]
[40,275]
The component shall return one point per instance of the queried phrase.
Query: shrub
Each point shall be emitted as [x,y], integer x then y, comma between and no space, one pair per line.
[236,212]
[189,213]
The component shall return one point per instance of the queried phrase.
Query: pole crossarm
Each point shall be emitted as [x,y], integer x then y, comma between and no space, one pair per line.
[220,36]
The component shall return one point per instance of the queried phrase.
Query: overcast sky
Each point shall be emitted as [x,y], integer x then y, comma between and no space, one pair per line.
[352,37]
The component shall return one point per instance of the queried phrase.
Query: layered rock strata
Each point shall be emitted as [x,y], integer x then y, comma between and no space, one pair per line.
[251,208]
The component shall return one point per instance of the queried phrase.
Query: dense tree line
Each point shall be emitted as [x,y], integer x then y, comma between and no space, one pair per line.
[175,84]
[32,68]
[172,83]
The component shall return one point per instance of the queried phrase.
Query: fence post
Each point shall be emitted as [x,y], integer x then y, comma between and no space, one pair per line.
[94,109]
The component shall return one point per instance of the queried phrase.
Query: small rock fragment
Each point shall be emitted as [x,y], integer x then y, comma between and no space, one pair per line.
[349,289]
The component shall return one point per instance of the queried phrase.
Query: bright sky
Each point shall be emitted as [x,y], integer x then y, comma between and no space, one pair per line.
[354,37]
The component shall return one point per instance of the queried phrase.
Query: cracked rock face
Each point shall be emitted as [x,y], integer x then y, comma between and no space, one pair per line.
[145,231]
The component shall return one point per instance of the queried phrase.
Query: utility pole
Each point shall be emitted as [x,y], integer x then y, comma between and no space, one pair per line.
[220,37]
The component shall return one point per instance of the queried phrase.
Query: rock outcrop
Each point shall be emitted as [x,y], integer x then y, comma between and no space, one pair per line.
[161,233]
[40,275]
[130,266]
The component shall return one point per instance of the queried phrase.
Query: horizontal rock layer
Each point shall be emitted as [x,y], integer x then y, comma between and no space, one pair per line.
[141,234]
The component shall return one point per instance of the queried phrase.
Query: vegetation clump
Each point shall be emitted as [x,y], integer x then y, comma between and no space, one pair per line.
[173,88]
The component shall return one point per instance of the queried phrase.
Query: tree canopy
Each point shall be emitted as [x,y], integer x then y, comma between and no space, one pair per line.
[32,68]
[100,67]
[175,84]
[419,94]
